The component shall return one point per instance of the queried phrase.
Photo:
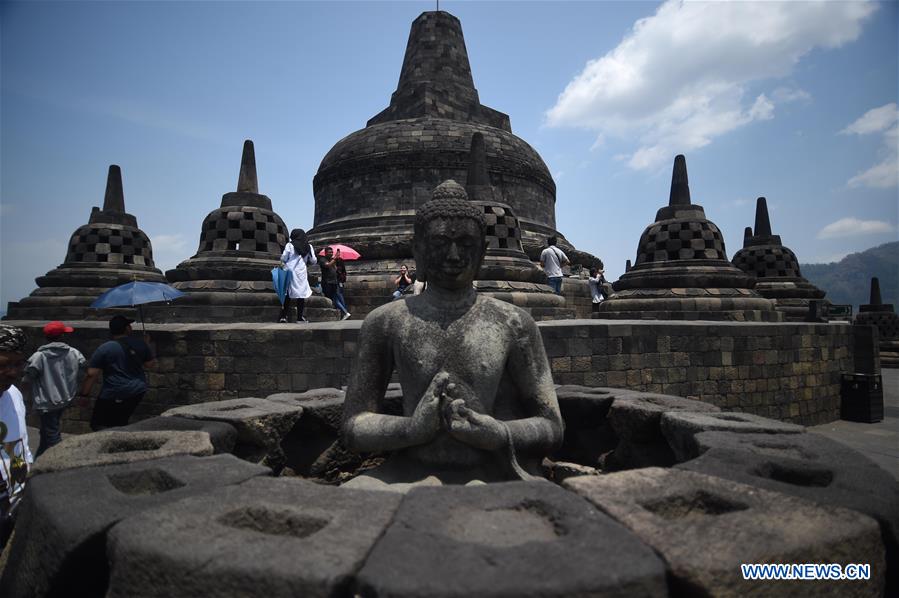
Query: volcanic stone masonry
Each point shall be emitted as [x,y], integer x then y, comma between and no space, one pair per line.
[229,279]
[776,269]
[368,186]
[507,273]
[107,251]
[138,514]
[682,272]
[883,317]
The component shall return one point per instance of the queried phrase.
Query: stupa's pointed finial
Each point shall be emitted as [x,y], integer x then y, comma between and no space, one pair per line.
[477,165]
[114,201]
[762,222]
[247,181]
[627,266]
[747,234]
[436,52]
[875,292]
[680,187]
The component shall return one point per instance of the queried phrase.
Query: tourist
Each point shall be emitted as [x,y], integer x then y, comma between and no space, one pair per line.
[466,363]
[298,253]
[552,259]
[122,362]
[52,377]
[402,282]
[15,456]
[597,280]
[341,279]
[330,288]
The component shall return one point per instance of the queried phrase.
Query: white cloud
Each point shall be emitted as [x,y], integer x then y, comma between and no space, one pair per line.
[874,120]
[853,227]
[169,250]
[884,174]
[782,95]
[680,78]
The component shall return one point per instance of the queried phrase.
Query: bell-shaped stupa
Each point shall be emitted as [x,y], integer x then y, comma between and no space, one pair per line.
[371,182]
[507,273]
[229,278]
[883,317]
[682,272]
[107,251]
[776,268]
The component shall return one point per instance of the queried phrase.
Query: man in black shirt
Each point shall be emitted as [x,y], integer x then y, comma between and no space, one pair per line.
[122,361]
[330,288]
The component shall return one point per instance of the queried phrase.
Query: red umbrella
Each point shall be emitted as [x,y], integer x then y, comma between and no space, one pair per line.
[346,252]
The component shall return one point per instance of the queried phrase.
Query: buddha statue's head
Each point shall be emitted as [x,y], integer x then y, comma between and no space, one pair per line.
[450,238]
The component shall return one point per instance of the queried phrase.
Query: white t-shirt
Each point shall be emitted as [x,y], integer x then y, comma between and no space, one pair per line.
[552,258]
[14,446]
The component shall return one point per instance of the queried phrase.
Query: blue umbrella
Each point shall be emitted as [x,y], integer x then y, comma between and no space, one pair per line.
[281,280]
[136,293]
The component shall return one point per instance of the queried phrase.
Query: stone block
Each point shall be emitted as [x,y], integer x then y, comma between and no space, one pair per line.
[222,436]
[64,518]
[510,539]
[315,434]
[115,447]
[635,419]
[267,537]
[812,467]
[258,422]
[706,527]
[587,432]
[323,404]
[680,429]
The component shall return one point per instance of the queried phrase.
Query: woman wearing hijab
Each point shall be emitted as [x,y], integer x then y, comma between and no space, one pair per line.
[297,254]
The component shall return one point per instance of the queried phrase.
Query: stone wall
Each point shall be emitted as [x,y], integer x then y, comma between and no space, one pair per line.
[789,372]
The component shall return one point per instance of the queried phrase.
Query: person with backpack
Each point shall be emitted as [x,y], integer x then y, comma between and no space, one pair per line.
[552,259]
[52,374]
[122,362]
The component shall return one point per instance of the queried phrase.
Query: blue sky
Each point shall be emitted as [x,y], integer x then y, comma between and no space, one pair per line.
[793,101]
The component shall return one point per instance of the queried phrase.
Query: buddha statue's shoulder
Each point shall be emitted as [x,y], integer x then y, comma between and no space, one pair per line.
[386,314]
[513,315]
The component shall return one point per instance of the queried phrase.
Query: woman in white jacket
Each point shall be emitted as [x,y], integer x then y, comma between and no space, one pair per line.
[296,256]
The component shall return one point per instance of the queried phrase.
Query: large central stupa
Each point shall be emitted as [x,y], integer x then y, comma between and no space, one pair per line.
[371,182]
[368,186]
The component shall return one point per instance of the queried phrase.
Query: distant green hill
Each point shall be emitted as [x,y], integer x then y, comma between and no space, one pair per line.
[849,280]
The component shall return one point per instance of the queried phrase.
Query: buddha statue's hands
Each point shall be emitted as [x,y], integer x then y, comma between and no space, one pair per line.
[426,417]
[469,426]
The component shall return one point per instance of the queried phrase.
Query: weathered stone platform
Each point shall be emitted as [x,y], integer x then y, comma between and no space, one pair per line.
[218,526]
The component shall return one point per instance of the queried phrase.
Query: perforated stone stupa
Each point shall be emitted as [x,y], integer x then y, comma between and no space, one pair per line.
[883,317]
[682,271]
[107,251]
[507,273]
[229,278]
[775,268]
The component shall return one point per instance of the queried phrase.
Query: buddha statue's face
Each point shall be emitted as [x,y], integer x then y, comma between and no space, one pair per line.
[451,252]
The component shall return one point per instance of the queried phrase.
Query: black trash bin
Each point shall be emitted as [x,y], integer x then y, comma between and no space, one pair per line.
[861,398]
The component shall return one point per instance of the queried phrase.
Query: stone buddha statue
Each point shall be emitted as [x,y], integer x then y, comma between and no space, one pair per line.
[479,403]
